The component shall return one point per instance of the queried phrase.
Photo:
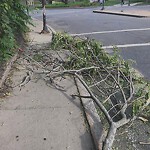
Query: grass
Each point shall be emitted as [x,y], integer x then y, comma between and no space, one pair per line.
[70,4]
[111,2]
[78,4]
[143,2]
[85,3]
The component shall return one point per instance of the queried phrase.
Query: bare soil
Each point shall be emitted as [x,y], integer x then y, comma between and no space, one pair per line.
[4,91]
[135,137]
[2,65]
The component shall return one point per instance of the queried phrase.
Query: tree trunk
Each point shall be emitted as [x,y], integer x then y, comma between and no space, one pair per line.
[49,1]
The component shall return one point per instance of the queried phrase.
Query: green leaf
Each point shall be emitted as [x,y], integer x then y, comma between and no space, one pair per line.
[147,95]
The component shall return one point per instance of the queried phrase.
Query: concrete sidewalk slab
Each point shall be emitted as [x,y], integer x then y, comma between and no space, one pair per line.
[35,36]
[40,117]
[126,11]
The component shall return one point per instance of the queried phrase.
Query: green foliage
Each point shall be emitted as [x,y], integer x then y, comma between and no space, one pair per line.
[143,99]
[86,49]
[69,4]
[86,3]
[86,53]
[82,3]
[38,57]
[13,22]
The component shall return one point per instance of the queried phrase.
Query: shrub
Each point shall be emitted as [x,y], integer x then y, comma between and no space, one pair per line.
[13,23]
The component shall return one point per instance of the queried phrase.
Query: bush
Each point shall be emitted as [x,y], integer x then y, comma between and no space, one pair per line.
[13,23]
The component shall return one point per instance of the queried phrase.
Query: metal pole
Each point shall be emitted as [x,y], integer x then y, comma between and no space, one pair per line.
[45,28]
[122,2]
[129,3]
[27,7]
[103,5]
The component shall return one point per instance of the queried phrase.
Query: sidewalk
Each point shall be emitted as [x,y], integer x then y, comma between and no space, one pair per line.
[40,117]
[131,11]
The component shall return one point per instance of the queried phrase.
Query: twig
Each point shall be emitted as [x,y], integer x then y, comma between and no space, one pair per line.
[144,143]
[80,96]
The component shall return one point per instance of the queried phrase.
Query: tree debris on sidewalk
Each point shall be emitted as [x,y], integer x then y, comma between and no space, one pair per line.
[119,94]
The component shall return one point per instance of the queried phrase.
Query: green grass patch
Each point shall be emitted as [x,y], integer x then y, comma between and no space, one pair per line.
[70,4]
[78,4]
[136,1]
[111,2]
[143,2]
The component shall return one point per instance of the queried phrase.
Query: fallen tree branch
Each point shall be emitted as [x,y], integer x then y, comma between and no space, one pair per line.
[144,143]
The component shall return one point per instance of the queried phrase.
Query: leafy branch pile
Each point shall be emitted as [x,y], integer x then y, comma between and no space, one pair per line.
[13,23]
[120,94]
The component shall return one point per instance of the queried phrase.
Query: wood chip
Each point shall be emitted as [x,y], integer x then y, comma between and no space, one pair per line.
[143,119]
[144,143]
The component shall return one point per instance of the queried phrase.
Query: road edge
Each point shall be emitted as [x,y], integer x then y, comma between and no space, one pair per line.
[92,116]
[120,13]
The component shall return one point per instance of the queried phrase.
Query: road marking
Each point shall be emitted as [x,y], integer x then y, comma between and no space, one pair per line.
[126,45]
[63,12]
[49,13]
[114,31]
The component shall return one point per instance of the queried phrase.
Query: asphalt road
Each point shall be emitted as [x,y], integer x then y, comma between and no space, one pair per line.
[129,33]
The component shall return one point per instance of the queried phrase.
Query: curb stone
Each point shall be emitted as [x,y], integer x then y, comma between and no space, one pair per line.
[120,14]
[92,116]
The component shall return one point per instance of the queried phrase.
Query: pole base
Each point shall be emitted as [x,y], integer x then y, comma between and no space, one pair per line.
[44,32]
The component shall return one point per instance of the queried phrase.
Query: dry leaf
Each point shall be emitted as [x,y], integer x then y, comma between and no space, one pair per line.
[144,143]
[143,119]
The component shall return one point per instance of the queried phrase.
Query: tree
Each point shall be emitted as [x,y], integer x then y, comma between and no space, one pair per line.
[49,1]
[45,28]
[13,23]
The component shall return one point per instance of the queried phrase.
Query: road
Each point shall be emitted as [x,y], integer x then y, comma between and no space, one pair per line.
[131,34]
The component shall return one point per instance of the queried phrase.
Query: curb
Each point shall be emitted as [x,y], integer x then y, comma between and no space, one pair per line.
[7,70]
[92,116]
[120,13]
[53,31]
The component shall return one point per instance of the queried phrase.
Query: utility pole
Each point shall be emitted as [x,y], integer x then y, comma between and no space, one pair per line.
[129,3]
[45,28]
[27,7]
[103,4]
[122,2]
